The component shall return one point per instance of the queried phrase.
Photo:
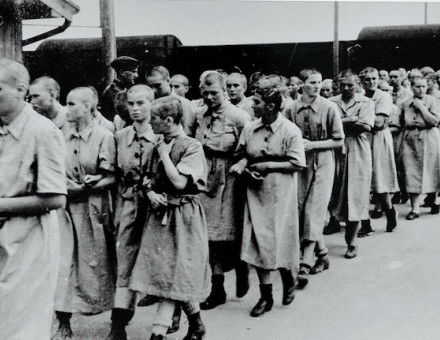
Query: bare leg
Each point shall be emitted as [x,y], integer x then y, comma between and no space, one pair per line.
[163,317]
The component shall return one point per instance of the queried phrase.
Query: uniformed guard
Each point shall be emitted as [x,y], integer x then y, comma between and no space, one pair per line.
[126,74]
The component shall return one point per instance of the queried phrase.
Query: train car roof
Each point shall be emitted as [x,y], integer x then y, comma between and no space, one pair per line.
[94,43]
[404,32]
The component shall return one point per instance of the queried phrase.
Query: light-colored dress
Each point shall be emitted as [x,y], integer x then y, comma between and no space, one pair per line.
[90,283]
[32,153]
[219,131]
[173,258]
[354,196]
[420,147]
[317,121]
[270,227]
[134,156]
[384,177]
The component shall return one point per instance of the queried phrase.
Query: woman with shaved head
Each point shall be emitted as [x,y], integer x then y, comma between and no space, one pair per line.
[32,186]
[88,285]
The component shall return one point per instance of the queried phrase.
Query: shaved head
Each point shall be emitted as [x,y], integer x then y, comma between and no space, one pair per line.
[15,74]
[181,79]
[143,89]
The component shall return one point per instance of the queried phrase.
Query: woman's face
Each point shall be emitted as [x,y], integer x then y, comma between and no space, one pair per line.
[347,86]
[312,85]
[370,81]
[138,106]
[76,107]
[259,105]
[419,88]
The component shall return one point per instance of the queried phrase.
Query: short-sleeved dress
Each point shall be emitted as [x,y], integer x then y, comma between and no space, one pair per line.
[135,151]
[32,153]
[354,196]
[420,147]
[271,227]
[173,258]
[89,285]
[317,121]
[384,177]
[219,131]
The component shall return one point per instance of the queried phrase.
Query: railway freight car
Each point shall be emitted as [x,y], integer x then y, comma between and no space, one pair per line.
[75,62]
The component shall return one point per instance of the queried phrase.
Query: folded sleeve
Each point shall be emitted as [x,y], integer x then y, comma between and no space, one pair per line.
[295,148]
[193,164]
[107,153]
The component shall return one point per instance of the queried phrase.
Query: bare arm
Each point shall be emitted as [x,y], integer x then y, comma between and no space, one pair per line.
[429,118]
[324,144]
[30,205]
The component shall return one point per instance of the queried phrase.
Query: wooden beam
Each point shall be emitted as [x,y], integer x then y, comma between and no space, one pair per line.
[106,14]
[64,8]
[336,40]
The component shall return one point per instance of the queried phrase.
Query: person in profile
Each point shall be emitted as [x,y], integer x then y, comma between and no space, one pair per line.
[32,186]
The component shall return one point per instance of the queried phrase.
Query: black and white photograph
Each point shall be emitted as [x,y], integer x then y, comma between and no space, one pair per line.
[219,170]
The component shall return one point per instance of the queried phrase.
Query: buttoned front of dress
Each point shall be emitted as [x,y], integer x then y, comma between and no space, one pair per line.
[135,152]
[318,120]
[91,281]
[270,226]
[420,147]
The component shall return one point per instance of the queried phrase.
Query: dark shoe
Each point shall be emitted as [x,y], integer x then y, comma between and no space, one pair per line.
[396,198]
[404,199]
[64,331]
[157,337]
[322,263]
[435,209]
[412,216]
[175,325]
[332,227]
[196,328]
[366,229]
[117,334]
[120,319]
[303,276]
[148,300]
[265,303]
[374,214]
[217,296]
[351,252]
[242,283]
[288,286]
[391,219]
[429,201]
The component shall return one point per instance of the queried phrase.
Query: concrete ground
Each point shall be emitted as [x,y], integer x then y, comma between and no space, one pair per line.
[390,291]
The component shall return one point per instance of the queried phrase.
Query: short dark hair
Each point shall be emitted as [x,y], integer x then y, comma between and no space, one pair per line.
[306,73]
[270,91]
[168,106]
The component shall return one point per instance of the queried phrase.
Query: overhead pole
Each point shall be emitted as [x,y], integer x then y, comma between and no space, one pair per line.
[336,40]
[107,22]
